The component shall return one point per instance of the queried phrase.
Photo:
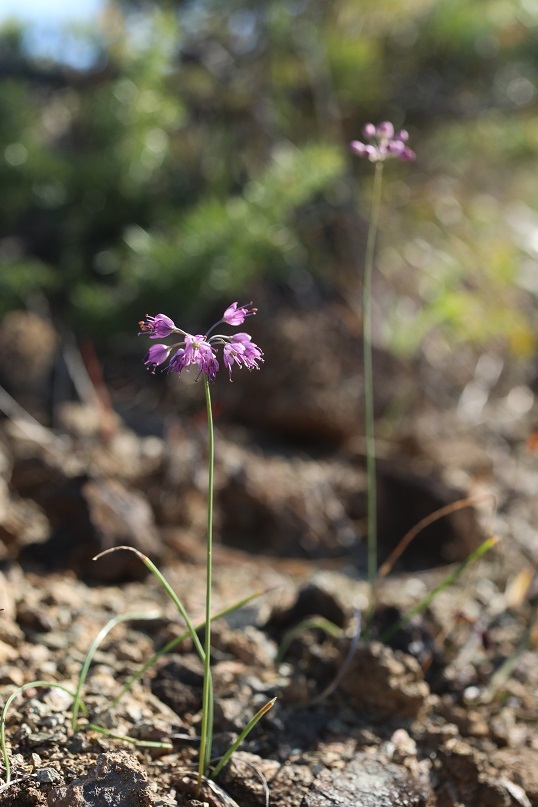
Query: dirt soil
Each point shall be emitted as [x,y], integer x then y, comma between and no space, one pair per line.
[439,710]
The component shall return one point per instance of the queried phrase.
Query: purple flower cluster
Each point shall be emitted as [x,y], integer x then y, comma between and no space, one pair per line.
[201,350]
[383,143]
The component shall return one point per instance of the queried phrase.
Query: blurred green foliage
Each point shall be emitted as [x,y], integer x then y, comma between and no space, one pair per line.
[202,148]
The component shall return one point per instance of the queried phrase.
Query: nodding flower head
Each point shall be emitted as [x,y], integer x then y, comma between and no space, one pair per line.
[383,143]
[158,327]
[157,354]
[236,316]
[242,351]
[200,351]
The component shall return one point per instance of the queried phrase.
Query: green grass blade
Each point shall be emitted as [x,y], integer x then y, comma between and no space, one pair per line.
[131,740]
[169,590]
[173,643]
[248,728]
[91,652]
[484,547]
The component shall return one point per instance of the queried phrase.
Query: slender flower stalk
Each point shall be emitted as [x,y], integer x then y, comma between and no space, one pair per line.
[369,429]
[383,143]
[207,706]
[200,351]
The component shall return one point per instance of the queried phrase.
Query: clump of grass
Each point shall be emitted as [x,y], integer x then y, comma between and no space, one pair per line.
[78,703]
[79,707]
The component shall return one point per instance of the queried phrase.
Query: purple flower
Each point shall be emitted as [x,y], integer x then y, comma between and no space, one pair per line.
[251,353]
[384,129]
[236,316]
[208,364]
[158,327]
[383,143]
[197,352]
[177,362]
[157,354]
[368,130]
[200,350]
[241,350]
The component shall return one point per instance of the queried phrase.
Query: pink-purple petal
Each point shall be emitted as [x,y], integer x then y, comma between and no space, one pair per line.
[156,355]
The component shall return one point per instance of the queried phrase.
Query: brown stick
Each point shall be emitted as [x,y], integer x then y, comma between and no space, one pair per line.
[386,567]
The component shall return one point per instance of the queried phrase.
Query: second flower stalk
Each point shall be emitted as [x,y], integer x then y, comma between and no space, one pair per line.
[383,142]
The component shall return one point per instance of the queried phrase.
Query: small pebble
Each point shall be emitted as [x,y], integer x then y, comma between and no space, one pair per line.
[471,694]
[36,760]
[48,776]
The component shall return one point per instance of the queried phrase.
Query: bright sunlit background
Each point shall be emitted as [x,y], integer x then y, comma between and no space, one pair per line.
[45,12]
[52,29]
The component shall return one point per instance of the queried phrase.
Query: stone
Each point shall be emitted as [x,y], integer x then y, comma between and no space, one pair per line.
[370,782]
[116,780]
[388,682]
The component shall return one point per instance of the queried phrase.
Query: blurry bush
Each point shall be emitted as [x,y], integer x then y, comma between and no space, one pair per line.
[201,147]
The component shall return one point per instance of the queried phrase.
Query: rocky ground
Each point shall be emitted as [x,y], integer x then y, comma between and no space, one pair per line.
[441,712]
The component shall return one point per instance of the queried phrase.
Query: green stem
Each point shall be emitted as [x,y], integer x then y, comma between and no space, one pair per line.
[207,705]
[369,381]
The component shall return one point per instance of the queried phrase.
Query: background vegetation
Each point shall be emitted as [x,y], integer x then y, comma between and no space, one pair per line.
[187,152]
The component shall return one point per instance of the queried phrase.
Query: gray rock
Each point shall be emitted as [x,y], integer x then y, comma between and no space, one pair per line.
[117,780]
[368,782]
[48,776]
